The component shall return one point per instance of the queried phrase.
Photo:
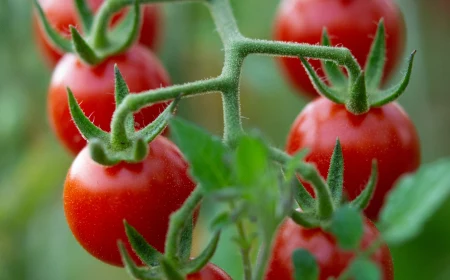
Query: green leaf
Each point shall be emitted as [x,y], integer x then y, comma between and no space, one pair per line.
[332,70]
[305,265]
[251,160]
[205,153]
[363,199]
[335,179]
[413,201]
[85,14]
[320,86]
[82,48]
[58,41]
[184,247]
[149,255]
[347,227]
[199,262]
[363,269]
[84,125]
[376,59]
[386,96]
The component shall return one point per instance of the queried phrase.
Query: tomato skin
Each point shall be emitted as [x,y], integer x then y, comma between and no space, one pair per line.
[209,272]
[93,87]
[98,198]
[386,134]
[350,23]
[62,13]
[331,259]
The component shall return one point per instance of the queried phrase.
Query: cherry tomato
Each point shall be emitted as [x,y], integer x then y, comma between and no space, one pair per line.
[350,23]
[209,272]
[331,259]
[385,134]
[62,13]
[98,198]
[93,88]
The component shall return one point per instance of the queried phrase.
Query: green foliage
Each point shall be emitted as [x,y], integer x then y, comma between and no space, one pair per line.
[413,201]
[305,265]
[347,227]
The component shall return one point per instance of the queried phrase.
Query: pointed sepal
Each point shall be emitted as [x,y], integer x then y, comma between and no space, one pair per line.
[386,96]
[333,72]
[170,270]
[82,48]
[335,177]
[85,14]
[99,153]
[152,130]
[58,41]
[319,85]
[149,255]
[127,31]
[87,129]
[185,245]
[362,201]
[376,59]
[199,262]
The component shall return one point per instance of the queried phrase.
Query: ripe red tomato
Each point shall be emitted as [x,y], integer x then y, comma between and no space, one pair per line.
[93,88]
[209,272]
[62,13]
[98,198]
[350,23]
[331,259]
[385,134]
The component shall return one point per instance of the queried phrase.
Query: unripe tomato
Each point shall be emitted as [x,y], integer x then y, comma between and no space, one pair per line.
[331,259]
[350,23]
[98,198]
[62,13]
[93,87]
[385,134]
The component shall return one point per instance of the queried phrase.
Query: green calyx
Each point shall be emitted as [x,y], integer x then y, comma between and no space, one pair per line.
[328,202]
[124,143]
[362,92]
[98,42]
[176,262]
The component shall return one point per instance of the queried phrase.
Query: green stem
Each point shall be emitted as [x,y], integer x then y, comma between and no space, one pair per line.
[245,252]
[135,102]
[263,257]
[341,56]
[178,220]
[224,21]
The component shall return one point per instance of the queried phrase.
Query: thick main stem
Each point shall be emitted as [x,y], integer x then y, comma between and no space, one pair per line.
[263,257]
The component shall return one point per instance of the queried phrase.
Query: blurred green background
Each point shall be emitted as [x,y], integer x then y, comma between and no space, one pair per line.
[35,242]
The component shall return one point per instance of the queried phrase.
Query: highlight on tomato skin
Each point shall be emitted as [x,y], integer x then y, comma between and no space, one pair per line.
[98,198]
[385,134]
[331,259]
[209,272]
[62,13]
[93,88]
[350,23]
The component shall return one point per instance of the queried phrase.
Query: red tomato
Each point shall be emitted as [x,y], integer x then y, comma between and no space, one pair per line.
[98,198]
[385,134]
[331,259]
[350,23]
[209,272]
[62,13]
[93,88]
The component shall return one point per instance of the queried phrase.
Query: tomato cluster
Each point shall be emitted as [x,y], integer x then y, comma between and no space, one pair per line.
[98,198]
